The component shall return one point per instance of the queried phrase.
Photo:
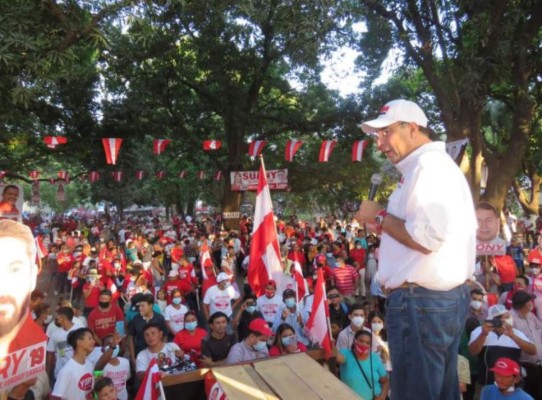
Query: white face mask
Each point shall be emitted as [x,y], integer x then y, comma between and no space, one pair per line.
[507,390]
[377,326]
[476,304]
[535,271]
[358,321]
[48,319]
[509,321]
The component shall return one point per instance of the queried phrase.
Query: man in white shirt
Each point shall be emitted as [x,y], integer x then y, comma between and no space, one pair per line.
[114,367]
[269,303]
[59,351]
[426,254]
[220,296]
[165,353]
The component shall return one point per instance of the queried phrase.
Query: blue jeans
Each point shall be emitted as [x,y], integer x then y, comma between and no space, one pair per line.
[424,327]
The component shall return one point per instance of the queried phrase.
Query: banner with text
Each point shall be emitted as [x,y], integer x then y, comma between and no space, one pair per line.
[277,179]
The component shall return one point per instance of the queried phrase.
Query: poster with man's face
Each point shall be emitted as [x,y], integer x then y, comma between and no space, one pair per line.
[11,202]
[488,242]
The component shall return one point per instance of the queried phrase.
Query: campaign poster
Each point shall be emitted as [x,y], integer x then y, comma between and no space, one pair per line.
[11,203]
[277,179]
[488,242]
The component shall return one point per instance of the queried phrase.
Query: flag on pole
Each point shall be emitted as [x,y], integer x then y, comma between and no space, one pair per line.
[326,149]
[160,145]
[139,175]
[212,144]
[301,283]
[255,147]
[150,386]
[205,259]
[292,146]
[41,249]
[53,141]
[317,325]
[112,148]
[357,150]
[264,260]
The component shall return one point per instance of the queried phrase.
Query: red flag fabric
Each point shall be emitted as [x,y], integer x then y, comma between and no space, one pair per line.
[160,174]
[93,176]
[160,145]
[139,175]
[264,262]
[117,176]
[326,149]
[292,146]
[150,386]
[301,284]
[218,175]
[182,174]
[201,174]
[34,174]
[53,141]
[357,150]
[255,148]
[111,148]
[3,174]
[63,175]
[212,144]
[40,247]
[317,327]
[52,181]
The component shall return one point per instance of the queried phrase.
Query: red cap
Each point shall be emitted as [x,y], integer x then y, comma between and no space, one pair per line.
[260,325]
[271,282]
[506,367]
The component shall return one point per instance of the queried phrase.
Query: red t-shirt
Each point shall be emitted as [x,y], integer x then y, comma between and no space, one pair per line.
[188,342]
[103,323]
[506,268]
[275,351]
[176,254]
[65,262]
[94,297]
[535,255]
[169,286]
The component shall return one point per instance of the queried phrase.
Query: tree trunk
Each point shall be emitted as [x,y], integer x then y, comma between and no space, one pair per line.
[231,202]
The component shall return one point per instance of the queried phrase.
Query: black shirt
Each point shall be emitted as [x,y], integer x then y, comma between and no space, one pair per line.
[217,349]
[137,325]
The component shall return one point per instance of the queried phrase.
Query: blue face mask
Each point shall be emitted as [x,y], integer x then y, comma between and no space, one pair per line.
[191,326]
[115,351]
[251,309]
[260,346]
[290,303]
[176,300]
[288,340]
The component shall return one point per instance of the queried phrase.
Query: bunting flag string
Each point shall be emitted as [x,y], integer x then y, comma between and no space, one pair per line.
[292,146]
[117,176]
[357,150]
[112,148]
[139,175]
[160,145]
[326,149]
[218,175]
[255,147]
[183,174]
[160,175]
[93,176]
[209,145]
[53,141]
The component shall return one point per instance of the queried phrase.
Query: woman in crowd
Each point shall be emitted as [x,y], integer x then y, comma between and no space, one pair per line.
[362,370]
[189,338]
[286,342]
[380,338]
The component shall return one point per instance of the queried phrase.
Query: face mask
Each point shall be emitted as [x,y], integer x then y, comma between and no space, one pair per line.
[358,321]
[176,300]
[535,271]
[251,309]
[290,303]
[260,346]
[115,353]
[48,319]
[476,304]
[270,294]
[377,326]
[507,390]
[509,321]
[191,326]
[362,349]
[104,304]
[226,284]
[117,265]
[288,340]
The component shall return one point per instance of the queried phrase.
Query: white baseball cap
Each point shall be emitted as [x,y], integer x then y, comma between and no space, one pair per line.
[496,310]
[222,277]
[396,111]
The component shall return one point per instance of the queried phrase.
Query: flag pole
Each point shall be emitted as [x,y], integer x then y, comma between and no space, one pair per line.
[161,387]
[328,320]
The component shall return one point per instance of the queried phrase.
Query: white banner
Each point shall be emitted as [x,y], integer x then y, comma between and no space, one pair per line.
[22,365]
[11,203]
[277,179]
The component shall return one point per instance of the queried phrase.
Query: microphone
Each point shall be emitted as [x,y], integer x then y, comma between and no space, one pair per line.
[376,180]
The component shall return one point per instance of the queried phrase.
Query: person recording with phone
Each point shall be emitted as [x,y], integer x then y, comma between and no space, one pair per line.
[497,338]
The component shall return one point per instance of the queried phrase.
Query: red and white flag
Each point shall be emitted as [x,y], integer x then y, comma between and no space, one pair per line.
[150,388]
[34,174]
[160,175]
[41,249]
[3,174]
[183,174]
[292,146]
[326,149]
[53,141]
[302,289]
[139,175]
[160,145]
[218,175]
[73,277]
[264,261]
[212,144]
[93,176]
[112,148]
[357,149]
[255,147]
[63,175]
[317,325]
[52,181]
[117,176]
[201,175]
[205,259]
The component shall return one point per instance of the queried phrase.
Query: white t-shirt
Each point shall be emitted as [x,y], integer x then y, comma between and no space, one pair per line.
[119,374]
[145,356]
[220,300]
[175,317]
[58,344]
[74,381]
[269,307]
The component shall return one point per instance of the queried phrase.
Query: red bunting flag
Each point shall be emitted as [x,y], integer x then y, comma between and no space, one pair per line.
[53,141]
[212,144]
[160,175]
[357,150]
[160,145]
[201,174]
[34,174]
[151,385]
[317,325]
[117,176]
[52,181]
[3,174]
[93,176]
[139,175]
[326,149]
[292,146]
[63,175]
[112,148]
[255,147]
[218,175]
[264,261]
[182,174]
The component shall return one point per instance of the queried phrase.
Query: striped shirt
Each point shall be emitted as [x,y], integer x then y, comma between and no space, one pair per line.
[344,279]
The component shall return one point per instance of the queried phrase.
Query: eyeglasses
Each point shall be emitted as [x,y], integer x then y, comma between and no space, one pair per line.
[333,296]
[387,131]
